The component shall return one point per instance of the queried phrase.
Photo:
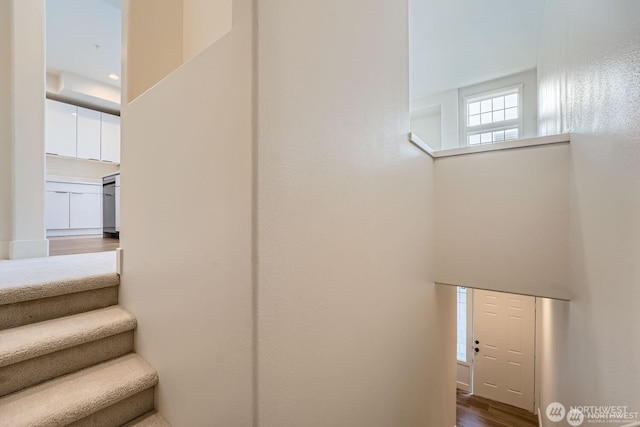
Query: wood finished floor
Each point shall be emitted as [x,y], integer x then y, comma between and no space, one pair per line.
[81,245]
[474,411]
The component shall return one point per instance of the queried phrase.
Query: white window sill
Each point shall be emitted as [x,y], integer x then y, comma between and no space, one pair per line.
[563,138]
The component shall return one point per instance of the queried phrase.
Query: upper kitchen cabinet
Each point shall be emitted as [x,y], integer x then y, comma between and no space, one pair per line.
[82,133]
[110,138]
[61,128]
[88,134]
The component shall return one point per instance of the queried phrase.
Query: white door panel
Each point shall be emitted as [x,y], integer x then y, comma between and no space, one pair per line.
[504,332]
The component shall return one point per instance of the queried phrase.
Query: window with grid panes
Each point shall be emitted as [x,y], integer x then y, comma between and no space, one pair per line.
[494,116]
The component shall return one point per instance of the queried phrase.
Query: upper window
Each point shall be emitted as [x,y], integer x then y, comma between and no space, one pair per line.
[494,116]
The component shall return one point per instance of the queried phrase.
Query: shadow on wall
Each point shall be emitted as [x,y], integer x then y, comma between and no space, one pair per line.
[161,36]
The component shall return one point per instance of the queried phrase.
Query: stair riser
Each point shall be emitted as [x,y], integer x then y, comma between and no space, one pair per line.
[37,370]
[27,312]
[121,412]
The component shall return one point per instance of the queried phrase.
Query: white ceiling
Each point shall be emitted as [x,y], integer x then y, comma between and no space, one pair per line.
[456,43]
[74,28]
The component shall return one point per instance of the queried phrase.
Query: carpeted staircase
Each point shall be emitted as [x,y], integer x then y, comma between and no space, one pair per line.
[66,349]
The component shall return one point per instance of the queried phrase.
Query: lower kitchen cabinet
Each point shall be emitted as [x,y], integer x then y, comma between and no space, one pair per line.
[85,210]
[73,209]
[57,208]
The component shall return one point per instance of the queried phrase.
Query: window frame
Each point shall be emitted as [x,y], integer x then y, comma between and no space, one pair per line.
[468,340]
[518,123]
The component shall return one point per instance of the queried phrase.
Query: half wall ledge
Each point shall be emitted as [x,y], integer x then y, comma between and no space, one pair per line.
[563,138]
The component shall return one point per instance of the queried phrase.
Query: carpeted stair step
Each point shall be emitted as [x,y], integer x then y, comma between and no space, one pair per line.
[37,352]
[152,419]
[109,394]
[46,288]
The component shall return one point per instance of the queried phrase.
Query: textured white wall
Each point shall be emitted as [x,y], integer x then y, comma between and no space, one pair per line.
[589,79]
[164,35]
[153,44]
[6,221]
[204,22]
[22,233]
[186,231]
[351,329]
[502,220]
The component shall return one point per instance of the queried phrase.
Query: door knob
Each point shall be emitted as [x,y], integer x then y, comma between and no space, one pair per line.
[477,342]
[477,349]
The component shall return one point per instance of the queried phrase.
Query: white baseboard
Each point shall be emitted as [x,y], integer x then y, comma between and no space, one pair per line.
[21,249]
[75,232]
[4,249]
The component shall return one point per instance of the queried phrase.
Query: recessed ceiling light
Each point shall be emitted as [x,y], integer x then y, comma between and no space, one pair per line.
[114,76]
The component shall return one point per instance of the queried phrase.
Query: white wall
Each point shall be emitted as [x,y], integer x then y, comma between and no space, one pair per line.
[76,168]
[460,42]
[22,234]
[351,329]
[6,139]
[156,49]
[204,22]
[84,91]
[447,102]
[169,34]
[589,79]
[427,124]
[502,220]
[186,230]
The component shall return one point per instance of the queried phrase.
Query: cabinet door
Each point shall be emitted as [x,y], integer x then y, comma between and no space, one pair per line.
[57,210]
[88,134]
[60,128]
[85,210]
[118,209]
[110,138]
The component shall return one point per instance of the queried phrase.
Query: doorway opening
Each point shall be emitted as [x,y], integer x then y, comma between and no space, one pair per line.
[82,125]
[496,357]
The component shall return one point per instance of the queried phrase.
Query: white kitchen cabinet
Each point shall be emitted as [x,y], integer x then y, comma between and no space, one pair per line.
[88,140]
[73,208]
[110,138]
[57,210]
[85,210]
[60,128]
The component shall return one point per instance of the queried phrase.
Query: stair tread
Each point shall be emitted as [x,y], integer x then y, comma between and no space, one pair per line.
[72,397]
[36,339]
[29,279]
[153,420]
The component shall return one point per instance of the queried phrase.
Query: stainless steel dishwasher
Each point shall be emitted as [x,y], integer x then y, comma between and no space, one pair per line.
[109,207]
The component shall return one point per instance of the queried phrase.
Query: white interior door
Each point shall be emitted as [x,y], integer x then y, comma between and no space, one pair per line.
[504,337]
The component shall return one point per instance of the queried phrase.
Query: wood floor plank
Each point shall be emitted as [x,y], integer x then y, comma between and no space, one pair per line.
[81,245]
[474,411]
